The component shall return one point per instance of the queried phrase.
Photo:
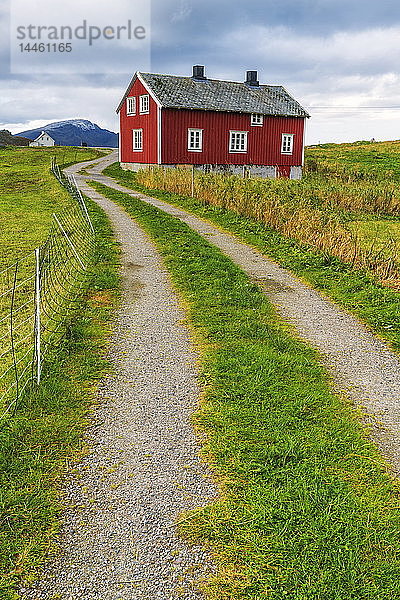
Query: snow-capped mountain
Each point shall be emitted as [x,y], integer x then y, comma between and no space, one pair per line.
[76,132]
[81,123]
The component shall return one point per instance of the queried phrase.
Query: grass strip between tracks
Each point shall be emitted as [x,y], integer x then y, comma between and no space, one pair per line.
[307,509]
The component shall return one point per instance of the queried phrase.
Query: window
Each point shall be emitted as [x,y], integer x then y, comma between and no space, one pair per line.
[257,120]
[144,104]
[137,139]
[131,106]
[238,141]
[195,140]
[287,143]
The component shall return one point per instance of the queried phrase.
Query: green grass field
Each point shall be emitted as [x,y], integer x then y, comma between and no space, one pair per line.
[29,194]
[360,160]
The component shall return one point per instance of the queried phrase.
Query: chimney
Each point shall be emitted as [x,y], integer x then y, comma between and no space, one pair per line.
[198,72]
[252,78]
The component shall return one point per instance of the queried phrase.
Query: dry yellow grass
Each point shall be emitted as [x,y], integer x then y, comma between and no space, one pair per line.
[296,209]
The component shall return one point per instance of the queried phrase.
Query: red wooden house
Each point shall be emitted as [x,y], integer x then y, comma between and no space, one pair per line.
[212,124]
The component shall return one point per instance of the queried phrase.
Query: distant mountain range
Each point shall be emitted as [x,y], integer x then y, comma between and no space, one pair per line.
[75,132]
[7,139]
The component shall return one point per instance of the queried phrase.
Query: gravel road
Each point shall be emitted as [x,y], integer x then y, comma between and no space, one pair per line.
[118,540]
[361,365]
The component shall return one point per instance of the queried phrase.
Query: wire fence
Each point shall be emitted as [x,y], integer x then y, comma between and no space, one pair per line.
[38,292]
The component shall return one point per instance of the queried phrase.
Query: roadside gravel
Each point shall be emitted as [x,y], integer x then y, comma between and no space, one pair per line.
[361,365]
[142,470]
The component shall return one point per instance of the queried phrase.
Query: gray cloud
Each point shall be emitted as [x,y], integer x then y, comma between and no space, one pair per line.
[326,52]
[321,17]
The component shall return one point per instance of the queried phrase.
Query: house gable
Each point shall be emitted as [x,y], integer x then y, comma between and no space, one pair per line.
[144,118]
[137,76]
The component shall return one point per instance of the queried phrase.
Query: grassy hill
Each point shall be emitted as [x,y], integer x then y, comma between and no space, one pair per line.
[359,160]
[7,139]
[29,194]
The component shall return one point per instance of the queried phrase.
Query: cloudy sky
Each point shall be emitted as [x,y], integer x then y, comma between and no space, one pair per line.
[338,58]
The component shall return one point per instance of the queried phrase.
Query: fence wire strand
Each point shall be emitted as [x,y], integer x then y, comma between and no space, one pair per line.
[38,293]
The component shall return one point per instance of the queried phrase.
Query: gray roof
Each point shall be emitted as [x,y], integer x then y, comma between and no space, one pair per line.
[216,95]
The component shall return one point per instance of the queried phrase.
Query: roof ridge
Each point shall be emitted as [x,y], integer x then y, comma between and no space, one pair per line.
[190,77]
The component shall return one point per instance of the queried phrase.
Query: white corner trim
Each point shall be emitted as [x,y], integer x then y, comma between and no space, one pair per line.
[159,134]
[120,141]
[304,142]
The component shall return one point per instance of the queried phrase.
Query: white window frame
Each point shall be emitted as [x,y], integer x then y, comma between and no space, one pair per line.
[233,139]
[195,140]
[137,140]
[131,105]
[287,143]
[257,120]
[144,104]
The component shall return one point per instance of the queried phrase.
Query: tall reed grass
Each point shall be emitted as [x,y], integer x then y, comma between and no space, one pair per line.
[310,211]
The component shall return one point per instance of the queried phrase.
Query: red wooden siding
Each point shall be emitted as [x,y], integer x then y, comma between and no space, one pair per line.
[264,143]
[146,122]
